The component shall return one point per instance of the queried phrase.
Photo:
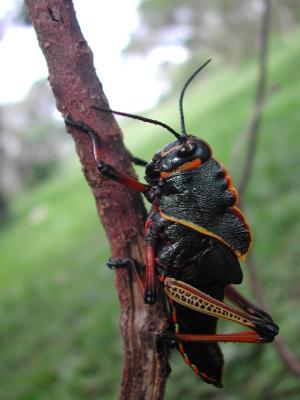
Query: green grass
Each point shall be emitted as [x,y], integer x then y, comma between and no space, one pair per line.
[59,334]
[58,313]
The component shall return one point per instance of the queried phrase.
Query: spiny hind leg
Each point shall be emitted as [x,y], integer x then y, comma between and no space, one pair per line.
[244,304]
[262,330]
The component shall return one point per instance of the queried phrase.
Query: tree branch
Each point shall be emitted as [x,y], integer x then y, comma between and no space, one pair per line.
[76,88]
[253,127]
[252,132]
[281,346]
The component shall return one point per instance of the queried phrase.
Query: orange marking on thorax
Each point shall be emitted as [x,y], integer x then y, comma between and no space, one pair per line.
[184,167]
[230,186]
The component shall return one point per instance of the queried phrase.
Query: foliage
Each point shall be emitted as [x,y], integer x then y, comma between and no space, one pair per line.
[59,335]
[31,143]
[198,25]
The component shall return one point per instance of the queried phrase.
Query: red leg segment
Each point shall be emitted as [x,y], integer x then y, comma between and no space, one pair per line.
[239,337]
[110,172]
[106,169]
[150,292]
[150,281]
[238,299]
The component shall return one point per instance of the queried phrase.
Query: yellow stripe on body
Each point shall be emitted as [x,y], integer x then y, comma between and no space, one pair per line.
[202,230]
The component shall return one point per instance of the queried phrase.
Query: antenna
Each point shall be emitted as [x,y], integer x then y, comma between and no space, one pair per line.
[144,119]
[183,131]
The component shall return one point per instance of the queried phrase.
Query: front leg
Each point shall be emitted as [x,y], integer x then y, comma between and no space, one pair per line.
[106,169]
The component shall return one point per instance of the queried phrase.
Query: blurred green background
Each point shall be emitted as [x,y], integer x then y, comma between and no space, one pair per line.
[59,335]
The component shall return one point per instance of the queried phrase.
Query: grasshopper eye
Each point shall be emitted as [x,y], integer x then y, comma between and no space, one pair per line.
[156,158]
[186,149]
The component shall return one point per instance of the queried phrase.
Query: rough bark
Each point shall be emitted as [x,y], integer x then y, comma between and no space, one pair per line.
[76,88]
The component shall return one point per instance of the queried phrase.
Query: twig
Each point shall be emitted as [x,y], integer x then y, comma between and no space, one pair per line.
[76,88]
[253,129]
[281,346]
[247,132]
[259,100]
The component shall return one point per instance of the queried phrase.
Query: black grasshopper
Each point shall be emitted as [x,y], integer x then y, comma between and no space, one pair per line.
[195,236]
